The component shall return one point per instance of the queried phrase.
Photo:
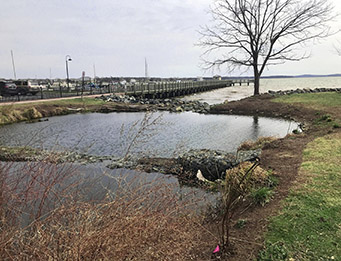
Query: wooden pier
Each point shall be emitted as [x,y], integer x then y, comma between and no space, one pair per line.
[164,89]
[242,81]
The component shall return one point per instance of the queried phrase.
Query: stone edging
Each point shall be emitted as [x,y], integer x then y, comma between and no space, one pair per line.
[317,90]
[172,105]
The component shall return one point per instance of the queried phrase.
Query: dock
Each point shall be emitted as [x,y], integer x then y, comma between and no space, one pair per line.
[164,89]
[242,81]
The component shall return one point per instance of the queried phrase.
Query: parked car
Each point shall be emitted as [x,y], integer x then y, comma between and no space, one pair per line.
[25,87]
[8,88]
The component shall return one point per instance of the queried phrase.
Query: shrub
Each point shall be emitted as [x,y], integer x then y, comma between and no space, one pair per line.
[262,195]
[238,183]
[241,223]
[271,181]
[325,117]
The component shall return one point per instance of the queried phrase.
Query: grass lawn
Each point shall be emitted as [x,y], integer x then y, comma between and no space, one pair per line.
[327,104]
[309,225]
[313,100]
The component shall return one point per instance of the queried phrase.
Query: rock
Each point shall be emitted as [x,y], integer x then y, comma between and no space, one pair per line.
[172,105]
[179,109]
[247,155]
[207,107]
[127,163]
[305,90]
[212,164]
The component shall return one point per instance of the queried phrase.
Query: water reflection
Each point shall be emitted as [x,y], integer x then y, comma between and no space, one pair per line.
[255,127]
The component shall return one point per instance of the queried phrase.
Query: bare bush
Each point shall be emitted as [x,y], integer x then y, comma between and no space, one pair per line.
[236,187]
[137,221]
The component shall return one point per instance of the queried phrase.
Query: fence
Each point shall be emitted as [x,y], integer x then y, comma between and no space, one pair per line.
[52,94]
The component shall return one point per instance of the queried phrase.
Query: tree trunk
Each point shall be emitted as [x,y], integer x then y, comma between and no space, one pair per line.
[256,83]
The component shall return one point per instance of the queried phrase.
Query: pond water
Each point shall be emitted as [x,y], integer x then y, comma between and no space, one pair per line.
[161,134]
[158,134]
[93,183]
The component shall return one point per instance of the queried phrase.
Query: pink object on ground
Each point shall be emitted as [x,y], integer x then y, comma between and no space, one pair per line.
[216,250]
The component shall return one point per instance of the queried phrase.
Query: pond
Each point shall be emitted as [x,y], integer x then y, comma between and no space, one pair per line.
[159,134]
[116,134]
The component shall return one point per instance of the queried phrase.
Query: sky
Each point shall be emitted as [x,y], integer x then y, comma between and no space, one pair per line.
[114,37]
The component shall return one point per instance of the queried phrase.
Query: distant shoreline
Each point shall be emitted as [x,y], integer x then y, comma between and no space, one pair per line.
[288,76]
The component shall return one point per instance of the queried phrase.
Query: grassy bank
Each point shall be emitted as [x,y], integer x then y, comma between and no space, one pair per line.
[313,100]
[327,105]
[17,112]
[309,226]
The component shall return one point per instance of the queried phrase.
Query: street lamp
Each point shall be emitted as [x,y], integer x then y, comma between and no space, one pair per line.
[67,59]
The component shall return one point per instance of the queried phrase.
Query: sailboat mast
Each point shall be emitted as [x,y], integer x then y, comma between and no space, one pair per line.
[145,68]
[94,74]
[15,75]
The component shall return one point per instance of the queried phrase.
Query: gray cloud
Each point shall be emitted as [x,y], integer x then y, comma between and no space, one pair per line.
[115,35]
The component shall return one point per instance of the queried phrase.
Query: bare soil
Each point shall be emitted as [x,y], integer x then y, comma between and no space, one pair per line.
[283,156]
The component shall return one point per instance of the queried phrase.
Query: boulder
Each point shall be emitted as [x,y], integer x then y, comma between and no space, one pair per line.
[211,163]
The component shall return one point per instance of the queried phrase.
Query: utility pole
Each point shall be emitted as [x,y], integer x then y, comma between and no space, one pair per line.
[15,75]
[67,59]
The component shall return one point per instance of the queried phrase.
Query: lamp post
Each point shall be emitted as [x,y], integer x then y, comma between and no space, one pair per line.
[67,60]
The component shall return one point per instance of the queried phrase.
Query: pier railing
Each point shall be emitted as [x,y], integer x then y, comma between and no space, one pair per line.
[174,88]
[241,81]
[159,88]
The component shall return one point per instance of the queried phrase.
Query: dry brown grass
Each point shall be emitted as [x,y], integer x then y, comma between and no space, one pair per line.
[259,143]
[258,174]
[43,217]
[12,113]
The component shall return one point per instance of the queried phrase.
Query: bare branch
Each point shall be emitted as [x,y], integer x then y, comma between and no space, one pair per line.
[258,33]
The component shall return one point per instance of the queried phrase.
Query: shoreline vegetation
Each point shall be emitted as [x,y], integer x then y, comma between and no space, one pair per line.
[305,172]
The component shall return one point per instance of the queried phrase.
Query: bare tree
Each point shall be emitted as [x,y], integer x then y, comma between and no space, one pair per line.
[258,33]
